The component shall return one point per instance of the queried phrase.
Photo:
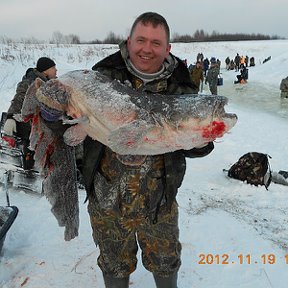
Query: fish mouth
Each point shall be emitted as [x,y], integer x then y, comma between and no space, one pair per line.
[219,109]
[83,119]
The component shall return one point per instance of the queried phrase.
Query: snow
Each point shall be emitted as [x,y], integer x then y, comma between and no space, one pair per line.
[223,219]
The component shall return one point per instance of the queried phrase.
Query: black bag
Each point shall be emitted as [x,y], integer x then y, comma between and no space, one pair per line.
[252,167]
[219,81]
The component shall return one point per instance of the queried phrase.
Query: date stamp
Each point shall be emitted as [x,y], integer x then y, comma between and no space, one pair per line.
[240,259]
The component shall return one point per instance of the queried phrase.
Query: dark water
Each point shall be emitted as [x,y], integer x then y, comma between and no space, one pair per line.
[256,96]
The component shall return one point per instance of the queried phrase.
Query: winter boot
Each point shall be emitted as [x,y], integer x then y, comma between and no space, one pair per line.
[111,282]
[166,282]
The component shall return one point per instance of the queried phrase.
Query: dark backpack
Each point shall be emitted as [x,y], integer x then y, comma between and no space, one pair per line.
[252,167]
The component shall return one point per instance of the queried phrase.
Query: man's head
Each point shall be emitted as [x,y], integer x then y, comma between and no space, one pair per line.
[148,42]
[47,66]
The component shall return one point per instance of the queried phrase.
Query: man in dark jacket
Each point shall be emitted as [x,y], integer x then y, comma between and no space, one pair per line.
[132,199]
[212,76]
[45,69]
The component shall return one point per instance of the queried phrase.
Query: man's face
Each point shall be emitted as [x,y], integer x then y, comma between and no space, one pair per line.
[51,73]
[148,47]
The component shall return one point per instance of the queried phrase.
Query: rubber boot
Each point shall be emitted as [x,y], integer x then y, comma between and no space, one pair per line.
[166,282]
[111,282]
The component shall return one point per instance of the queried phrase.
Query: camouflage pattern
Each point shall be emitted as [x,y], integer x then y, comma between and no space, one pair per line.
[22,87]
[132,198]
[23,129]
[212,78]
[116,237]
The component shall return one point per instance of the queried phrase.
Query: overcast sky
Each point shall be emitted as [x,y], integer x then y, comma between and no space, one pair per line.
[94,19]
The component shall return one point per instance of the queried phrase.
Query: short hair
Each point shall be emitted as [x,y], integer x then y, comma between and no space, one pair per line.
[155,19]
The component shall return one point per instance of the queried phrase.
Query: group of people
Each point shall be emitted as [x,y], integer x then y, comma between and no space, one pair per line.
[238,62]
[206,71]
[144,212]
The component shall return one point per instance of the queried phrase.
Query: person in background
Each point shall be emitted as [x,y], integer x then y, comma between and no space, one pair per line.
[227,62]
[185,62]
[243,76]
[206,64]
[237,62]
[284,87]
[212,76]
[196,74]
[231,65]
[252,62]
[246,61]
[45,69]
[132,199]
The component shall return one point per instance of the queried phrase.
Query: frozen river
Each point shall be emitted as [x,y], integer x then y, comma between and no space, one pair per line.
[256,96]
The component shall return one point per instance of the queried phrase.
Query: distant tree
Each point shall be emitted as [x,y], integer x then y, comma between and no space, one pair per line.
[112,38]
[182,38]
[59,38]
[200,35]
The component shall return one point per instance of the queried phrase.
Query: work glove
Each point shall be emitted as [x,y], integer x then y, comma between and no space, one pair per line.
[50,115]
[9,127]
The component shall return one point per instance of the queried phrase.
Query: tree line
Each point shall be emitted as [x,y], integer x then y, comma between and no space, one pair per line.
[112,38]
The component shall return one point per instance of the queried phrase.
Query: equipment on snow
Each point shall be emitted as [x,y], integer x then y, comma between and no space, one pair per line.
[252,167]
[14,161]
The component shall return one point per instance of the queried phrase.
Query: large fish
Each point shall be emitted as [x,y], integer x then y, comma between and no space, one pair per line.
[128,121]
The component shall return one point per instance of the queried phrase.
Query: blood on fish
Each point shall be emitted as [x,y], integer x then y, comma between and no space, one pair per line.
[214,130]
[130,143]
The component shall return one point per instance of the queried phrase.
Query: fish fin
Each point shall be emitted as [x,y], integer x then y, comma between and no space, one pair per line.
[74,135]
[129,137]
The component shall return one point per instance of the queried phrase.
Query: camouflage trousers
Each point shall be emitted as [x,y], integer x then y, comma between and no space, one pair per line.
[118,238]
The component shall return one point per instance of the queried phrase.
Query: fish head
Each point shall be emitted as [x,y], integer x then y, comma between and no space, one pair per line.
[216,121]
[205,115]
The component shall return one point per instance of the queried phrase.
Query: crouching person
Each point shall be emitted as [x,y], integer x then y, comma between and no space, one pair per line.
[132,199]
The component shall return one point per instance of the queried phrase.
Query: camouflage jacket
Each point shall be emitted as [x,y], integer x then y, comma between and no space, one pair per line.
[177,81]
[17,102]
[212,75]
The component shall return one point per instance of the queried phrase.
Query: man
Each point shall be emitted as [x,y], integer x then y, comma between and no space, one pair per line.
[45,69]
[243,76]
[132,198]
[197,75]
[212,76]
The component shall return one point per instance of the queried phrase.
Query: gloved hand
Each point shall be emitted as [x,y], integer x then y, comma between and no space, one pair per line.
[50,115]
[9,127]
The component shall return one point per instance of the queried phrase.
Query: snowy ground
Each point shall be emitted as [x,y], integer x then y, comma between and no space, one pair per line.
[233,234]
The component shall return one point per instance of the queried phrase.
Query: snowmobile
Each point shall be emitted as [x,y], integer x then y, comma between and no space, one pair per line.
[15,162]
